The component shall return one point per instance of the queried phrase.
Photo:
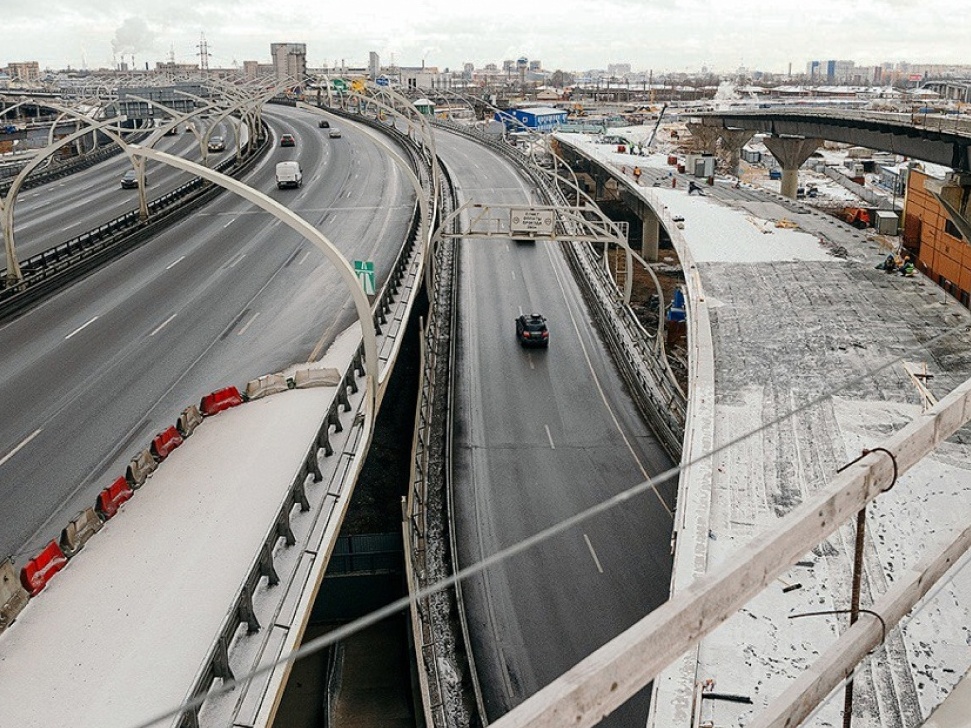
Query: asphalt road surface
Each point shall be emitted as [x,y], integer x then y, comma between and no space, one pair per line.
[58,211]
[88,377]
[541,435]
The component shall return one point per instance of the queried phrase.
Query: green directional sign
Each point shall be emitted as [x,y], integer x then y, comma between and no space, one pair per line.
[339,84]
[364,270]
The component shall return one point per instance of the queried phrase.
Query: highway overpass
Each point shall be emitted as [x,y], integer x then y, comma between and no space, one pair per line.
[531,434]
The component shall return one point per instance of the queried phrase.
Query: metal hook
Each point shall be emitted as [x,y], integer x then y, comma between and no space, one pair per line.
[867,451]
[883,623]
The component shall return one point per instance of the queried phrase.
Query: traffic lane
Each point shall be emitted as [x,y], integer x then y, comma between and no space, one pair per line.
[103,397]
[219,225]
[534,464]
[518,661]
[38,200]
[60,211]
[286,329]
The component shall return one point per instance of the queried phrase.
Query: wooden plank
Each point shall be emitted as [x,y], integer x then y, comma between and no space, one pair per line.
[837,662]
[610,676]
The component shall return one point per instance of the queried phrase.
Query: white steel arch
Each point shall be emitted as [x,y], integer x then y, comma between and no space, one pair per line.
[306,230]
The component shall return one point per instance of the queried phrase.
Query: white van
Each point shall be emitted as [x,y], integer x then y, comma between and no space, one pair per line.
[288,174]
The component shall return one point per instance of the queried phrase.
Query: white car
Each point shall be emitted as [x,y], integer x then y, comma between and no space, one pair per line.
[288,174]
[335,133]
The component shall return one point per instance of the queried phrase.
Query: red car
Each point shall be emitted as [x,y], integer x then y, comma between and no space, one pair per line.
[287,140]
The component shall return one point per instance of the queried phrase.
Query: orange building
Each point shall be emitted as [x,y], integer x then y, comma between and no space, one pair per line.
[943,255]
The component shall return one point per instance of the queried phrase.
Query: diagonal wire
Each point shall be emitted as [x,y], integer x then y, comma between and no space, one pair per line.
[378,615]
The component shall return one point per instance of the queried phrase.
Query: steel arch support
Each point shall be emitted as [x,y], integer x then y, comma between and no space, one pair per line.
[305,229]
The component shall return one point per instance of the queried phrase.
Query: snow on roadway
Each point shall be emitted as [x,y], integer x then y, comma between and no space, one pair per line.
[790,323]
[723,234]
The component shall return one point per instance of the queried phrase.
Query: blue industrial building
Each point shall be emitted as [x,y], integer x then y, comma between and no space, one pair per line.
[539,118]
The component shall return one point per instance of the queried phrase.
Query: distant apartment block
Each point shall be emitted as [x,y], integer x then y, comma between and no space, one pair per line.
[26,71]
[289,61]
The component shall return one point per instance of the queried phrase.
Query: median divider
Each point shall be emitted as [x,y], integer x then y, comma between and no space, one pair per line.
[221,399]
[13,596]
[308,376]
[189,420]
[266,385]
[77,532]
[164,443]
[110,499]
[140,467]
[37,572]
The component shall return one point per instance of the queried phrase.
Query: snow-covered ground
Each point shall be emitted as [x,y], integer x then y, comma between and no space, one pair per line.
[792,324]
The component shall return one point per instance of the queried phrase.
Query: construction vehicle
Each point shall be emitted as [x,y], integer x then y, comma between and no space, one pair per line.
[858,217]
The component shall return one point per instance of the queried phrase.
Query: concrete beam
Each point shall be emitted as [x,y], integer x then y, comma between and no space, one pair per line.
[791,153]
[707,135]
[732,141]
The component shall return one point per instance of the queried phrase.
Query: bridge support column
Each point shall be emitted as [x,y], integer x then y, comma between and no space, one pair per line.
[732,141]
[707,136]
[650,233]
[791,153]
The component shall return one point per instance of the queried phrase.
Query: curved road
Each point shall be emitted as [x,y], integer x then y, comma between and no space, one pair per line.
[87,378]
[541,435]
[54,213]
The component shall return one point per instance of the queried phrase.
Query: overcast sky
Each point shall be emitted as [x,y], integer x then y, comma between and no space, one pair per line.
[673,35]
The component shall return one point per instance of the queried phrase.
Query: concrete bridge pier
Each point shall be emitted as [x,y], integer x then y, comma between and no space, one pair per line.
[707,136]
[732,141]
[791,153]
[650,233]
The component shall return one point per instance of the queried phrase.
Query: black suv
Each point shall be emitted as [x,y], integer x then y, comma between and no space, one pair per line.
[531,330]
[323,124]
[129,180]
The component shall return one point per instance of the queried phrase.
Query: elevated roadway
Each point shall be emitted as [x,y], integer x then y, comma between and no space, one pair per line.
[540,435]
[939,139]
[221,297]
[56,212]
[765,343]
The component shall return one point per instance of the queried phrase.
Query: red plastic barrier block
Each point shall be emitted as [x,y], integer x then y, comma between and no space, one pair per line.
[39,570]
[110,499]
[220,400]
[165,442]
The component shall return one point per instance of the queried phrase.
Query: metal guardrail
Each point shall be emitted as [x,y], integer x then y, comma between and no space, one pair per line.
[217,664]
[57,171]
[56,267]
[426,510]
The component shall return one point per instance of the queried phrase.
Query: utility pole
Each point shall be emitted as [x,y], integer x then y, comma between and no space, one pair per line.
[204,54]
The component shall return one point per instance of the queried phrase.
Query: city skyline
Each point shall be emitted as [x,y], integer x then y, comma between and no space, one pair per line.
[670,37]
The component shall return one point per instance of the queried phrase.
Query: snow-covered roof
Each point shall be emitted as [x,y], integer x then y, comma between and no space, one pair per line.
[542,110]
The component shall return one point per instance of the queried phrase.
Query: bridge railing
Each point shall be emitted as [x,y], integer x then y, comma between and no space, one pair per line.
[395,298]
[635,350]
